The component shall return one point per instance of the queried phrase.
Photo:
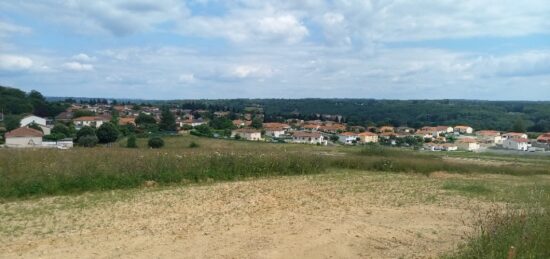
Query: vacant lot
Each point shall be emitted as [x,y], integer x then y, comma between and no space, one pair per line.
[344,214]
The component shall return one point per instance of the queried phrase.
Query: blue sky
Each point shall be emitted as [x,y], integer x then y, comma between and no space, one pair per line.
[171,49]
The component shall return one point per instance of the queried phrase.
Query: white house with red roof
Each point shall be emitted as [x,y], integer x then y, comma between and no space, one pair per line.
[516,144]
[24,138]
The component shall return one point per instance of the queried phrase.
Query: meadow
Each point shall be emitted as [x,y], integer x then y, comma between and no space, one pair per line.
[521,204]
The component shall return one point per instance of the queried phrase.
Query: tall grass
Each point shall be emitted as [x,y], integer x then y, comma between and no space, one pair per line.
[50,172]
[512,232]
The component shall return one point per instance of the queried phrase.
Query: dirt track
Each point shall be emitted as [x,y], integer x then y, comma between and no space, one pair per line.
[351,215]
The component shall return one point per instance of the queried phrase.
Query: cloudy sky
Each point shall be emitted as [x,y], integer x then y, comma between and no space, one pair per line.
[168,49]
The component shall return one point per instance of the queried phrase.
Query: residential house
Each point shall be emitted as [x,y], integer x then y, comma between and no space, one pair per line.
[41,122]
[332,128]
[275,132]
[404,130]
[386,129]
[426,134]
[514,135]
[276,125]
[368,137]
[449,147]
[348,138]
[193,122]
[126,121]
[468,144]
[491,137]
[461,129]
[242,123]
[521,144]
[247,133]
[65,116]
[311,127]
[544,138]
[309,138]
[24,137]
[91,121]
[444,129]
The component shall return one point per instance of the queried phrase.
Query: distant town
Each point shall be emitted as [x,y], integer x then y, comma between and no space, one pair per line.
[62,131]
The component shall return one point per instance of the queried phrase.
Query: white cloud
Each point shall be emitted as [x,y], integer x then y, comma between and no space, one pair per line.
[7,29]
[78,67]
[83,58]
[252,71]
[15,63]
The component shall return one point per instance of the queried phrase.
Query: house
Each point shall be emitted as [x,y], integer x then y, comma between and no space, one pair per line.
[242,123]
[544,138]
[368,137]
[332,128]
[386,129]
[90,121]
[276,125]
[309,138]
[468,144]
[126,121]
[247,133]
[424,134]
[516,144]
[311,127]
[463,129]
[64,116]
[514,135]
[24,137]
[193,122]
[444,129]
[274,132]
[41,122]
[432,147]
[348,138]
[449,147]
[489,137]
[404,130]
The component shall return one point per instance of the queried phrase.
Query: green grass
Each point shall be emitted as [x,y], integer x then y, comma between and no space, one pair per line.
[31,173]
[518,231]
[468,188]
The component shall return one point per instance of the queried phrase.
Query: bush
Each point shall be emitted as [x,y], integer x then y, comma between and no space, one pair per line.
[131,142]
[107,133]
[155,142]
[85,131]
[193,145]
[88,141]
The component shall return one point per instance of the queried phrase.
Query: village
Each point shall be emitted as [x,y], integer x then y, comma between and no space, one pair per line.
[60,131]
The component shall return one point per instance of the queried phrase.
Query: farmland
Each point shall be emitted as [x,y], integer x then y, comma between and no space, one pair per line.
[223,198]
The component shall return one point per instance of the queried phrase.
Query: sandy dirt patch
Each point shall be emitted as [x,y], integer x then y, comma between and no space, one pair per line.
[340,215]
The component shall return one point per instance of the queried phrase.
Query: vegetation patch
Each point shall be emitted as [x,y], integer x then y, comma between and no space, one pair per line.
[467,187]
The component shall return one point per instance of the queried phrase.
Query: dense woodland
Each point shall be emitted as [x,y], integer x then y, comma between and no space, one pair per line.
[498,115]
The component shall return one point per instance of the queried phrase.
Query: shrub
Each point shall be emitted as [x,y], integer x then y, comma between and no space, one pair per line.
[85,131]
[107,133]
[193,145]
[155,142]
[131,142]
[88,141]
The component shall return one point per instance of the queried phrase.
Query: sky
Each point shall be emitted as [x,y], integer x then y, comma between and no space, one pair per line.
[187,49]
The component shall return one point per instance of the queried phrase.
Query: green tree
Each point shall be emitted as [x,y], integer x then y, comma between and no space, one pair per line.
[334,138]
[155,142]
[88,141]
[220,123]
[60,128]
[167,120]
[85,131]
[256,123]
[107,133]
[202,130]
[143,118]
[131,143]
[519,126]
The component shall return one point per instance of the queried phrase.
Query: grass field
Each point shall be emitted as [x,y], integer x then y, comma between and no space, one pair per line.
[495,202]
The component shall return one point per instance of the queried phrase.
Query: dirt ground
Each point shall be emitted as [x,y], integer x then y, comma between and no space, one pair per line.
[338,215]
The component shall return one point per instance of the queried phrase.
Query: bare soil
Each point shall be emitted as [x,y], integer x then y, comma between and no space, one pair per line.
[339,215]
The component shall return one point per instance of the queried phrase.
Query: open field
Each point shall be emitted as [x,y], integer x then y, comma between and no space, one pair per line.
[347,214]
[240,199]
